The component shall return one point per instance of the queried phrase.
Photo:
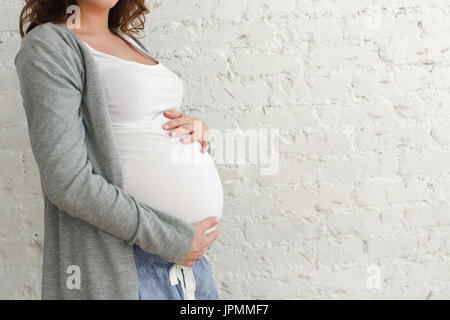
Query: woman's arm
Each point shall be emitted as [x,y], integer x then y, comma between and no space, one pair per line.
[51,98]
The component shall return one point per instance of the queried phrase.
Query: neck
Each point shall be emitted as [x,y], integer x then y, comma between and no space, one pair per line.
[94,20]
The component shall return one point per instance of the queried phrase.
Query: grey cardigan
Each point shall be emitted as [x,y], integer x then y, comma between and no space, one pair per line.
[91,223]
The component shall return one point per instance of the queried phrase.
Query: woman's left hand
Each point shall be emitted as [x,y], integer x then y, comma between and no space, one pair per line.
[182,124]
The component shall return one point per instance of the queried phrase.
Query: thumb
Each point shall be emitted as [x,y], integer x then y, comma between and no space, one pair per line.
[172,114]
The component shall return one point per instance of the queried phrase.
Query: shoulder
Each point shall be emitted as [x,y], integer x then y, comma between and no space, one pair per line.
[51,49]
[54,37]
[51,42]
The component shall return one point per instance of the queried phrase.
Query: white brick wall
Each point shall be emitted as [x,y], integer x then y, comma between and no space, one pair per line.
[359,90]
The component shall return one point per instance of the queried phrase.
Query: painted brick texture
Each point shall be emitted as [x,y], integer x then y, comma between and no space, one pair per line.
[359,90]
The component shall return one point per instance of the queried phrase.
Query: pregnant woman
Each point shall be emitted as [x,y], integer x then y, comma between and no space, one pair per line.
[132,197]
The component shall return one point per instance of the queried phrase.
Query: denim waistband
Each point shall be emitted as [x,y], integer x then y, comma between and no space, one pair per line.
[178,274]
[150,257]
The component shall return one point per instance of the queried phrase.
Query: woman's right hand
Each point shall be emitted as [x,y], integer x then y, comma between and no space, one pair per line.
[202,241]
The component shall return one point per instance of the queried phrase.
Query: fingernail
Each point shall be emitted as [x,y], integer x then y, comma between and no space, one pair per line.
[217,219]
[172,133]
[166,126]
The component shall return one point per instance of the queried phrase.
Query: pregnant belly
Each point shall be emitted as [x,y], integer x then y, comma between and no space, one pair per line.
[167,175]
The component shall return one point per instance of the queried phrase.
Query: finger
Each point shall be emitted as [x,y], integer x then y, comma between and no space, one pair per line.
[188,262]
[182,130]
[172,114]
[195,136]
[188,139]
[191,138]
[208,223]
[211,237]
[205,146]
[206,133]
[175,123]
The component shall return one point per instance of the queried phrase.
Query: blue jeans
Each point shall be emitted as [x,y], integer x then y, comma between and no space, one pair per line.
[154,284]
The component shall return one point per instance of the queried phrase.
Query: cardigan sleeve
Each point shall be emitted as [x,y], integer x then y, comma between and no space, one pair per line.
[52,93]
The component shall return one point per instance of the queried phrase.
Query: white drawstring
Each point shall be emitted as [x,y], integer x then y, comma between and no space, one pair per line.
[185,276]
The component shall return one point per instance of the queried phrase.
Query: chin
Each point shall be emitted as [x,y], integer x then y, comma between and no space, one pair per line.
[99,4]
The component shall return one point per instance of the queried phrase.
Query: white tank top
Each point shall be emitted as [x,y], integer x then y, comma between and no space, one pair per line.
[158,170]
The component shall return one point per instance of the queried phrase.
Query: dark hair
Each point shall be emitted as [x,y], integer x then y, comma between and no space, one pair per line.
[127,15]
